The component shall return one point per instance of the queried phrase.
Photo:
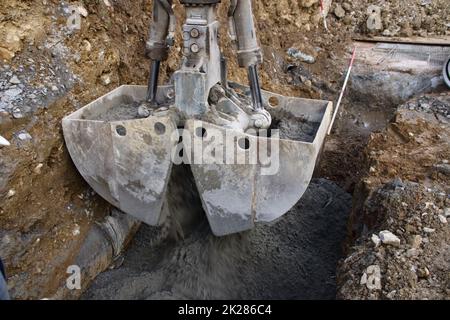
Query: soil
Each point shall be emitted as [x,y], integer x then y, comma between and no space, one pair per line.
[269,262]
[45,206]
[404,189]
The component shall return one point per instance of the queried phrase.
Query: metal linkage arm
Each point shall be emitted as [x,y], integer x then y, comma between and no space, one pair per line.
[162,32]
[242,31]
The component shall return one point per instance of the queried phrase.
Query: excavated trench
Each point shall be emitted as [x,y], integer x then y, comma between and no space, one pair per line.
[293,258]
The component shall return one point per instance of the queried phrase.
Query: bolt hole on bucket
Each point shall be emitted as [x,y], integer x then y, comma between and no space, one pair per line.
[201,132]
[121,130]
[160,128]
[244,143]
[274,102]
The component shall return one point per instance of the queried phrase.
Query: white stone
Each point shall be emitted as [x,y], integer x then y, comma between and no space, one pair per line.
[447,212]
[428,230]
[76,230]
[297,54]
[106,80]
[376,240]
[143,111]
[389,238]
[429,204]
[12,94]
[374,21]
[11,193]
[38,168]
[391,294]
[17,113]
[4,142]
[14,80]
[24,136]
[442,219]
[82,11]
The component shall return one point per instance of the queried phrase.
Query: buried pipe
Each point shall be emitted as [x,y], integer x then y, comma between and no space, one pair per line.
[104,243]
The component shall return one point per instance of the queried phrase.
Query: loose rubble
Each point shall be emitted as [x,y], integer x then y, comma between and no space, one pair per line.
[408,200]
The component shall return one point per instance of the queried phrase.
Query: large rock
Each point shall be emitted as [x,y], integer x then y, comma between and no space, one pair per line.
[388,237]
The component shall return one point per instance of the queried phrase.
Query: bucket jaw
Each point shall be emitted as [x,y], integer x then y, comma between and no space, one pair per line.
[242,176]
[126,161]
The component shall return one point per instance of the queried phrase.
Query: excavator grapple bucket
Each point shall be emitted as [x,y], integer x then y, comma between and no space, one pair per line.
[127,159]
[236,196]
[252,153]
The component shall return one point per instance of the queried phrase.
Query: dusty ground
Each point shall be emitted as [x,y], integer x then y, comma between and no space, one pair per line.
[44,204]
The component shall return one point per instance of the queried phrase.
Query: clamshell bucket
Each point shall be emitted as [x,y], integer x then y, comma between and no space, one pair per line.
[128,160]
